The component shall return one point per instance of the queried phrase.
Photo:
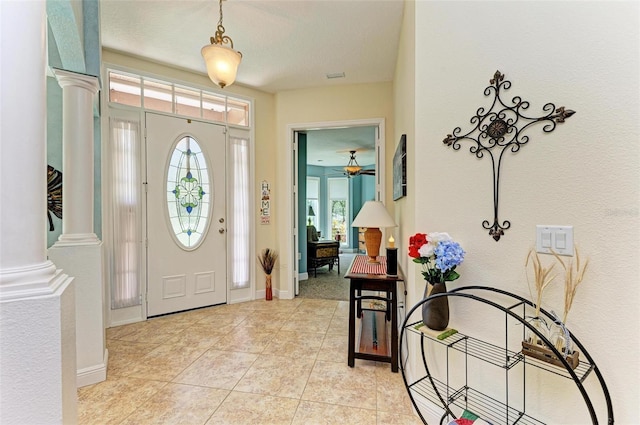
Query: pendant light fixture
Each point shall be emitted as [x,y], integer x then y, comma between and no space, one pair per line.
[352,167]
[222,61]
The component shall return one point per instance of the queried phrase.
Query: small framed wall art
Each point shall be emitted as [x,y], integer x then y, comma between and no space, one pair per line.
[400,169]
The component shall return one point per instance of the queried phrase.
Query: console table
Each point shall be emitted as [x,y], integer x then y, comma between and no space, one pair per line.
[377,342]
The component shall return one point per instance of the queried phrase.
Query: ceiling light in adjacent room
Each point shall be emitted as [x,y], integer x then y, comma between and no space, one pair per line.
[222,61]
[352,167]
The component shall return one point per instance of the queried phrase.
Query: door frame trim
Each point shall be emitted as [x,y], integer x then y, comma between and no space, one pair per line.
[289,243]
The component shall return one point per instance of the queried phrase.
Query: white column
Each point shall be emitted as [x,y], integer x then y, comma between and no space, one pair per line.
[78,93]
[78,250]
[37,320]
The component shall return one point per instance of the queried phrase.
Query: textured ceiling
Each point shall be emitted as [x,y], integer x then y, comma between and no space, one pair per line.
[285,44]
[330,147]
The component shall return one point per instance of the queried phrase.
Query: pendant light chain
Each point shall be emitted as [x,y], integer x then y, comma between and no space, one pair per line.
[220,20]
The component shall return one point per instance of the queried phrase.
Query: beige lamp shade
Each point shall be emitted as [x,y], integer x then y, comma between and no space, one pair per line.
[373,215]
[222,63]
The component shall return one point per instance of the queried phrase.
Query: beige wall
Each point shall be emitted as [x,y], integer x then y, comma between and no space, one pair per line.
[404,113]
[586,173]
[337,103]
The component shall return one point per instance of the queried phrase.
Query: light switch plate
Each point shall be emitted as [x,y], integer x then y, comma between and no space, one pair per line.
[558,238]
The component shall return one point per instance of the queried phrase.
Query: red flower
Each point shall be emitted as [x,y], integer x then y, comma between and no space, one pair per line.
[415,242]
[418,240]
[413,252]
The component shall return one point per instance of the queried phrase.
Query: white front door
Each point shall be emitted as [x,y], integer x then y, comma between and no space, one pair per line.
[186,214]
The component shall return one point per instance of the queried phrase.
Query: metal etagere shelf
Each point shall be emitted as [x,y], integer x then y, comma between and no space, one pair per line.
[444,393]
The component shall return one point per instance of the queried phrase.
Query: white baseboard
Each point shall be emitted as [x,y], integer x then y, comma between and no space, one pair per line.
[93,374]
[282,294]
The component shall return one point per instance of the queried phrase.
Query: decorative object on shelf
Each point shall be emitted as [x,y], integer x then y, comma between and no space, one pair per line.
[542,279]
[222,61]
[556,332]
[400,169]
[373,215]
[468,418]
[573,276]
[502,128]
[439,256]
[54,194]
[267,260]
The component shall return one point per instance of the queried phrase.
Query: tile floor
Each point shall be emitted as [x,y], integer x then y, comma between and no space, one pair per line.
[261,362]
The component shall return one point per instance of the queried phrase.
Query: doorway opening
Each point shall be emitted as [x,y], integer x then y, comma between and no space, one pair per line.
[328,151]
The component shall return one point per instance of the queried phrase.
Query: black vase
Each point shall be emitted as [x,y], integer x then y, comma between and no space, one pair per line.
[435,312]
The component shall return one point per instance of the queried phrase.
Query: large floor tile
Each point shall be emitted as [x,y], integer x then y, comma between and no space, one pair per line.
[312,413]
[111,401]
[244,408]
[391,392]
[217,369]
[334,348]
[306,321]
[165,362]
[387,418]
[296,344]
[178,404]
[201,335]
[337,383]
[276,376]
[247,340]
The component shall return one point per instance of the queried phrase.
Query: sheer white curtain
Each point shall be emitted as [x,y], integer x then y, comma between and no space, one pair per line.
[239,220]
[125,200]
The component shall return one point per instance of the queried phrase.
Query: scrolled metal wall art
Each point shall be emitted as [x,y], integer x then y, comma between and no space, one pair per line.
[501,128]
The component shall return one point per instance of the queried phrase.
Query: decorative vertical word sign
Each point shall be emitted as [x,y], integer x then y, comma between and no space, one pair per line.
[500,129]
[265,203]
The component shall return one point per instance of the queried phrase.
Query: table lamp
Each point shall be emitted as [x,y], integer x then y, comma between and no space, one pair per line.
[311,214]
[373,215]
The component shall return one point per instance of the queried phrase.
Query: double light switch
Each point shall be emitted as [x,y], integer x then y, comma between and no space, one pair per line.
[556,238]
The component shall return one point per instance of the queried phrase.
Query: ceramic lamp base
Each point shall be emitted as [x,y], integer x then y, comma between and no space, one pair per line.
[372,239]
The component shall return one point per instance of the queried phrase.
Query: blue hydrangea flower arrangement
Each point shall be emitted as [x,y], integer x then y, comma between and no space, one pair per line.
[438,254]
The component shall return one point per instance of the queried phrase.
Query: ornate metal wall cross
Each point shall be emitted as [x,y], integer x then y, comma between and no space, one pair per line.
[500,129]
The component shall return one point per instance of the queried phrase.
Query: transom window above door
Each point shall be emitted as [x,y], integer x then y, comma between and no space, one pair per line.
[157,95]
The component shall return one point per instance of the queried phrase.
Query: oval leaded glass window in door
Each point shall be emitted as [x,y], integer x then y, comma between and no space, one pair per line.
[188,193]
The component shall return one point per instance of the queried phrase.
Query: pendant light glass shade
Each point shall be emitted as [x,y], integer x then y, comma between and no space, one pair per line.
[222,63]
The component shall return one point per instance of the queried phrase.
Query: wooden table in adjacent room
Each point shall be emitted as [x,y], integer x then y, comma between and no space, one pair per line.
[377,342]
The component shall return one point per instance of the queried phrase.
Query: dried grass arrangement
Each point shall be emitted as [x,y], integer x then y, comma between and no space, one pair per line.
[542,277]
[267,260]
[572,278]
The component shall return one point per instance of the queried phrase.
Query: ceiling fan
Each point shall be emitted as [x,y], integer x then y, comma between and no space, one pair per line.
[354,169]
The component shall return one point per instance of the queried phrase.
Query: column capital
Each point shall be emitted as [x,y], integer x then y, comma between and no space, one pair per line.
[74,79]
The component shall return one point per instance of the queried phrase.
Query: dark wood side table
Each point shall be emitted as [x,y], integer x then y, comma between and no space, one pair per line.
[321,253]
[374,336]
